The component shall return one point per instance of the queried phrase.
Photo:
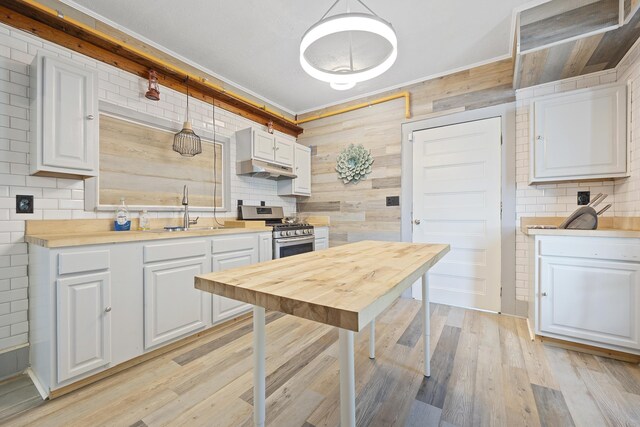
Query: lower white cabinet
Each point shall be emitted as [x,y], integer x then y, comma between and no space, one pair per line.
[94,307]
[321,237]
[172,306]
[83,323]
[226,253]
[590,294]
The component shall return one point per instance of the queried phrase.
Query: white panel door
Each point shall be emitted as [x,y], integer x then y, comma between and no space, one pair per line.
[69,117]
[284,151]
[456,200]
[590,299]
[84,324]
[172,306]
[263,145]
[225,308]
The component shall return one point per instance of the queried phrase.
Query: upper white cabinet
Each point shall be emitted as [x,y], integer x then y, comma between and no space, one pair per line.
[257,144]
[64,124]
[579,135]
[300,186]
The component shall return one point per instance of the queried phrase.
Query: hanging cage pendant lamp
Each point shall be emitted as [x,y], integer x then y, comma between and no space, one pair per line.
[348,48]
[186,142]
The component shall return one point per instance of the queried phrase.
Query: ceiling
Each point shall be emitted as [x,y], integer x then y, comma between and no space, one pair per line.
[253,44]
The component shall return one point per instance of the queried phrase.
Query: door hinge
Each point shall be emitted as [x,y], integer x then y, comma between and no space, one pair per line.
[500,290]
[410,137]
[500,210]
[501,139]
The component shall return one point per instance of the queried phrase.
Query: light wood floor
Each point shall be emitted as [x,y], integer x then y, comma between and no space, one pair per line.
[485,372]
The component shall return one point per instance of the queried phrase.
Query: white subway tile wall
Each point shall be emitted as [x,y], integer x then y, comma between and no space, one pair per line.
[64,198]
[561,199]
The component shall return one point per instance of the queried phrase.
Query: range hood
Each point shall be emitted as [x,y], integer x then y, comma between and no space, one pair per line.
[261,169]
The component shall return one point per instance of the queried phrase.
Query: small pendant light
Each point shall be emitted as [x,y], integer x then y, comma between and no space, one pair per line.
[154,90]
[186,142]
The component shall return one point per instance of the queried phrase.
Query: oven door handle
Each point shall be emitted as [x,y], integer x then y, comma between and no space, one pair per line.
[295,239]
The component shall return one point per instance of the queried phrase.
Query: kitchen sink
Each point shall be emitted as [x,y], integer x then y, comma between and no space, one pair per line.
[181,229]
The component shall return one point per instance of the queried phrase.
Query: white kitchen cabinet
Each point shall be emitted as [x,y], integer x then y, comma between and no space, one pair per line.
[232,252]
[283,150]
[83,324]
[93,307]
[587,290]
[300,186]
[172,306]
[579,135]
[64,124]
[321,235]
[258,144]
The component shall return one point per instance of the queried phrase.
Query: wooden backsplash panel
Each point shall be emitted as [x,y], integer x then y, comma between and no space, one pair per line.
[138,163]
[358,211]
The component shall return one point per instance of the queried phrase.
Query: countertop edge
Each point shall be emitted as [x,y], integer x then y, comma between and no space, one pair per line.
[580,233]
[85,239]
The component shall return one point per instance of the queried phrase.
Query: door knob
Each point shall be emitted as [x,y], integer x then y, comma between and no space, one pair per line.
[544,294]
[90,117]
[108,309]
[416,221]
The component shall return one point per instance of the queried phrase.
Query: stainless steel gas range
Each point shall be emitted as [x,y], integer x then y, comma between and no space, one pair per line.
[288,238]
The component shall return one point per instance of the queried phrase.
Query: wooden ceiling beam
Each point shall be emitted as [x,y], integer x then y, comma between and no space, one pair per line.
[24,16]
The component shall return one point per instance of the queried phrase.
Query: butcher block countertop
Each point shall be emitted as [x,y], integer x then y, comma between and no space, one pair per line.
[345,286]
[66,233]
[607,227]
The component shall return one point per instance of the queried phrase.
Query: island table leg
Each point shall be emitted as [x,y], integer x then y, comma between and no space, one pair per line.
[426,323]
[259,366]
[372,339]
[347,379]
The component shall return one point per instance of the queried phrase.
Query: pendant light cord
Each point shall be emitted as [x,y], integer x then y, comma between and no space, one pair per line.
[348,11]
[215,163]
[187,119]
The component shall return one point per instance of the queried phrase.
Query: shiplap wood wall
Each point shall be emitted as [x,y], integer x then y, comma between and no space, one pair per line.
[358,211]
[137,163]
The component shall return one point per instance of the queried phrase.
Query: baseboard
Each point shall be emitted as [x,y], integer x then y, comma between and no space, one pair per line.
[590,349]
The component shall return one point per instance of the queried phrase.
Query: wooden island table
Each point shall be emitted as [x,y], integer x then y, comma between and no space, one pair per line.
[346,286]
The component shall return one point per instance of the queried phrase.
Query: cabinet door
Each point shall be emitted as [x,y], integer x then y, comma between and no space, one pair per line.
[321,243]
[580,135]
[172,306]
[263,145]
[69,118]
[284,151]
[591,300]
[225,308]
[266,247]
[302,184]
[83,324]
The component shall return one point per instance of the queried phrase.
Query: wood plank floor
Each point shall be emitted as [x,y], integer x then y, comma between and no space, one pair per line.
[485,369]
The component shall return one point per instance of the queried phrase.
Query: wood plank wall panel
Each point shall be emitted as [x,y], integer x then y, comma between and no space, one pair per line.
[579,57]
[358,212]
[581,20]
[137,163]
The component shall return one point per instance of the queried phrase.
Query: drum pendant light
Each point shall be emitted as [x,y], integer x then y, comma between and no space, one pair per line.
[186,142]
[348,48]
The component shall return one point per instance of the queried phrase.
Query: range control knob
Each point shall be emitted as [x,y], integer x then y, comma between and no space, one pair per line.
[291,233]
[299,232]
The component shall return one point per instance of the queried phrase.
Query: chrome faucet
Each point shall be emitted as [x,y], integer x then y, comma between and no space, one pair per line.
[186,222]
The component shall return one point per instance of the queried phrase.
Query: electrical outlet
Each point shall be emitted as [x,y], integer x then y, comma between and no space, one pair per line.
[393,200]
[263,203]
[584,197]
[24,204]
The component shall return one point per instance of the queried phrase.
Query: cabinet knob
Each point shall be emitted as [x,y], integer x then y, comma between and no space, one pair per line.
[540,138]
[544,294]
[108,309]
[416,221]
[90,117]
